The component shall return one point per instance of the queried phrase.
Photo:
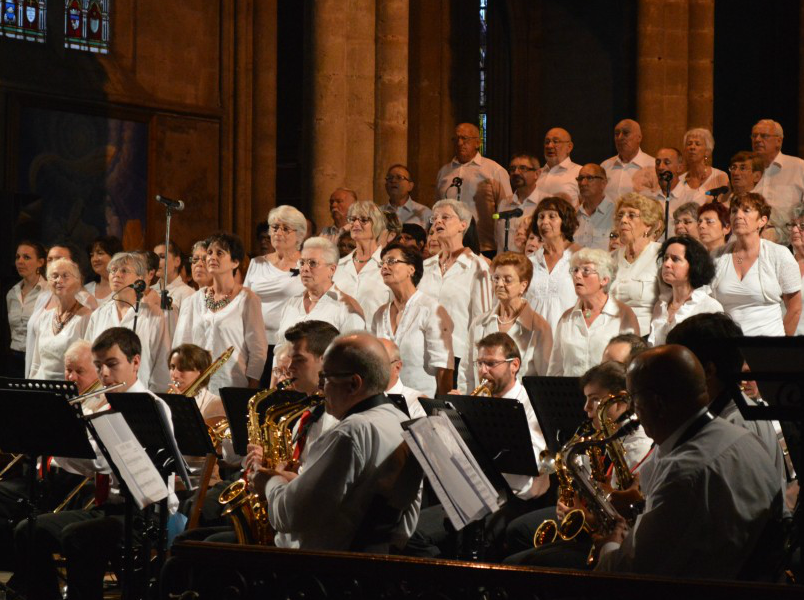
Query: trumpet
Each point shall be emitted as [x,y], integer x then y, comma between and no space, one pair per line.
[483,390]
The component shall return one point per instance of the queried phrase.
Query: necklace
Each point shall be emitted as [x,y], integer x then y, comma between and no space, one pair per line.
[59,321]
[517,312]
[587,314]
[216,305]
[358,261]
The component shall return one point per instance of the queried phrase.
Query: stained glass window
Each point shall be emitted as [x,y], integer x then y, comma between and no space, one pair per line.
[484,27]
[24,19]
[86,25]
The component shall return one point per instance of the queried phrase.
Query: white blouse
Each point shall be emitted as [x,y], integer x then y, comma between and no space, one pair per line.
[19,311]
[274,287]
[237,324]
[92,286]
[800,328]
[464,291]
[551,293]
[637,283]
[699,302]
[367,286]
[151,330]
[47,353]
[578,347]
[424,337]
[531,334]
[210,405]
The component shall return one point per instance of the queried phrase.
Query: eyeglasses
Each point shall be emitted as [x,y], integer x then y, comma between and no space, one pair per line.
[630,214]
[464,138]
[585,271]
[443,218]
[762,136]
[581,178]
[743,168]
[121,270]
[555,141]
[363,220]
[282,228]
[308,262]
[614,235]
[686,221]
[393,178]
[323,376]
[490,364]
[57,276]
[393,261]
[198,259]
[520,168]
[795,224]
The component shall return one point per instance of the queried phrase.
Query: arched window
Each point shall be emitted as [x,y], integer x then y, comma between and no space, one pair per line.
[86,25]
[24,19]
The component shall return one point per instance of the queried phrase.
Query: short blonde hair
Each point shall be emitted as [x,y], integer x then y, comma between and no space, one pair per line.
[65,263]
[328,249]
[650,211]
[604,263]
[135,260]
[75,349]
[708,138]
[292,217]
[458,207]
[366,208]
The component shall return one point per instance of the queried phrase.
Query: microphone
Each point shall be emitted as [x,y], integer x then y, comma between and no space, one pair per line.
[507,214]
[666,176]
[138,286]
[457,182]
[717,191]
[176,205]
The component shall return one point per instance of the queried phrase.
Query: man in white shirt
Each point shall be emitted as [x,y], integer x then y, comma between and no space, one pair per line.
[176,288]
[596,212]
[782,183]
[339,202]
[710,488]
[559,174]
[629,160]
[399,185]
[670,165]
[462,178]
[524,173]
[395,385]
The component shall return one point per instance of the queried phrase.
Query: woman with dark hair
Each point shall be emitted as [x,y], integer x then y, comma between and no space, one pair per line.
[226,314]
[416,322]
[713,225]
[21,301]
[754,277]
[100,253]
[551,289]
[687,268]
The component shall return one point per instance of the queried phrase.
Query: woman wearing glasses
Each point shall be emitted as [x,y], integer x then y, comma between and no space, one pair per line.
[754,277]
[511,274]
[58,327]
[358,273]
[270,276]
[198,270]
[456,277]
[416,322]
[585,329]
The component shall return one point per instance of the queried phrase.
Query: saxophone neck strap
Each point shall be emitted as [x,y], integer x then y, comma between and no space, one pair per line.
[696,426]
[367,404]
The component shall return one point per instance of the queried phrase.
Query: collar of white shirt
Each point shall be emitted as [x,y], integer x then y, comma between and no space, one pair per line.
[532,198]
[618,162]
[475,160]
[564,165]
[610,308]
[605,206]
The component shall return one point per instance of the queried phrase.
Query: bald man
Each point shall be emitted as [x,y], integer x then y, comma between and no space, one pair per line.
[395,385]
[559,175]
[710,488]
[628,161]
[360,488]
[596,212]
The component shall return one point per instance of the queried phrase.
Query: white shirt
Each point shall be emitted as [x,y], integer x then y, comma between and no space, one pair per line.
[681,194]
[153,336]
[411,212]
[464,291]
[91,287]
[707,502]
[237,324]
[367,286]
[551,293]
[531,334]
[522,485]
[578,347]
[347,468]
[620,175]
[755,303]
[178,292]
[477,170]
[782,185]
[424,336]
[334,307]
[560,179]
[210,405]
[800,328]
[528,206]
[47,352]
[699,302]
[274,287]
[412,396]
[593,230]
[637,283]
[716,179]
[19,311]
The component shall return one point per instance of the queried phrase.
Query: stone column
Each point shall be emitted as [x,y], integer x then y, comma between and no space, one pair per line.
[700,102]
[264,111]
[391,90]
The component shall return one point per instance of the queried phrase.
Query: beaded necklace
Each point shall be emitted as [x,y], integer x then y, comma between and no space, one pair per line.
[216,305]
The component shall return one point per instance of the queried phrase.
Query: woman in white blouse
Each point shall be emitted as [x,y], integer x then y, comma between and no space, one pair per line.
[697,151]
[59,326]
[511,274]
[796,229]
[21,301]
[754,277]
[198,265]
[551,291]
[585,329]
[270,276]
[687,268]
[416,322]
[638,220]
[226,314]
[458,278]
[103,249]
[358,273]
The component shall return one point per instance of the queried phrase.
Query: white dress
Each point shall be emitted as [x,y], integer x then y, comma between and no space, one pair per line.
[424,337]
[238,324]
[637,283]
[551,293]
[274,288]
[699,302]
[47,355]
[367,286]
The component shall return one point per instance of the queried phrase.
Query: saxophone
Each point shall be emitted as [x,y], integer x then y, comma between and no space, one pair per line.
[615,448]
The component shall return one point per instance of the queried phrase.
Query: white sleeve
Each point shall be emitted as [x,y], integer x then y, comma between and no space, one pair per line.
[466,369]
[32,351]
[788,272]
[183,333]
[256,344]
[437,330]
[556,365]
[159,351]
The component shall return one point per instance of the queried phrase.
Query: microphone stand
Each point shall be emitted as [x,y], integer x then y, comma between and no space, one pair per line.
[138,295]
[166,302]
[666,208]
[505,237]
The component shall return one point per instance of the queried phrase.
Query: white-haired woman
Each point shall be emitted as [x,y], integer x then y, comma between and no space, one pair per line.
[270,276]
[358,273]
[124,269]
[585,329]
[458,278]
[697,151]
[198,268]
[58,327]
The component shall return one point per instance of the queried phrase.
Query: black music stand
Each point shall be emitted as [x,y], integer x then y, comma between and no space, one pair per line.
[235,404]
[558,403]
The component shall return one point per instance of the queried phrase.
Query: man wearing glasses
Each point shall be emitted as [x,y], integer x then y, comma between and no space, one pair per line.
[596,212]
[782,183]
[398,185]
[523,173]
[629,160]
[558,176]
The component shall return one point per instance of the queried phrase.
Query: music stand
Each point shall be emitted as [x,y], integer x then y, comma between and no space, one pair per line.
[235,404]
[558,403]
